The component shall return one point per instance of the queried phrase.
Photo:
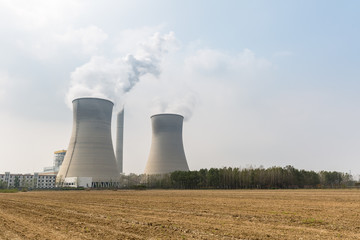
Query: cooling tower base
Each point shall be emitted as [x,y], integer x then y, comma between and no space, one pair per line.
[105,185]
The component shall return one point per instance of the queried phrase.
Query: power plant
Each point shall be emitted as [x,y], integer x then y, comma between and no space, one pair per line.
[90,153]
[90,158]
[167,151]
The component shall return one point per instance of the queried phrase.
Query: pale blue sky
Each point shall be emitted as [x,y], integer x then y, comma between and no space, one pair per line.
[275,82]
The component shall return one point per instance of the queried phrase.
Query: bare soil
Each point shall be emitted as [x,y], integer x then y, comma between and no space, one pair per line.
[181,214]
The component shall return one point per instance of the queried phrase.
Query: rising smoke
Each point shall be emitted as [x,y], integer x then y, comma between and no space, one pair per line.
[183,105]
[113,78]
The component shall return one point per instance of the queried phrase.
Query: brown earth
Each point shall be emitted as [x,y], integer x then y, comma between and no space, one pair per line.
[181,214]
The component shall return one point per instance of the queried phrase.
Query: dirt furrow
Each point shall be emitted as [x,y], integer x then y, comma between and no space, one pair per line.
[170,214]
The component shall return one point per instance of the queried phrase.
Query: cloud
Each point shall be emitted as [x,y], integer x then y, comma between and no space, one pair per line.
[216,62]
[208,75]
[7,83]
[39,14]
[4,81]
[88,39]
[283,54]
[128,40]
[45,30]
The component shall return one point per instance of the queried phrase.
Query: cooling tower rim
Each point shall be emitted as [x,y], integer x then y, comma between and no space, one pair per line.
[96,98]
[164,114]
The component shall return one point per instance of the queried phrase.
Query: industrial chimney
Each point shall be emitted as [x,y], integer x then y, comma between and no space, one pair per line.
[120,140]
[90,152]
[167,150]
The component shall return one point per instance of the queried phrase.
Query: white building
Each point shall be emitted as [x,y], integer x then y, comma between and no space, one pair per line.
[36,180]
[85,182]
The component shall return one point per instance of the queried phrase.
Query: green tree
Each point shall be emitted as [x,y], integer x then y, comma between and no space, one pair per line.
[214,178]
[17,182]
[3,185]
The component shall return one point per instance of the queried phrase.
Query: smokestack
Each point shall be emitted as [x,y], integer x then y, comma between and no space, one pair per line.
[167,150]
[120,140]
[90,152]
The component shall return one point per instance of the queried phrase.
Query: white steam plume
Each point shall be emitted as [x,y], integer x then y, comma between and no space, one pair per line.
[183,105]
[112,78]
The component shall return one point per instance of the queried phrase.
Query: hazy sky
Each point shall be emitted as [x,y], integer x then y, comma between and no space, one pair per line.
[260,82]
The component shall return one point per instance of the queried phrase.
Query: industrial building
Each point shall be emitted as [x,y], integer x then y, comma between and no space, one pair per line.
[36,180]
[45,179]
[167,151]
[58,159]
[90,152]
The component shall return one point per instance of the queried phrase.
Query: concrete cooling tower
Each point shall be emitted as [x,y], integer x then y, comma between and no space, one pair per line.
[167,150]
[90,152]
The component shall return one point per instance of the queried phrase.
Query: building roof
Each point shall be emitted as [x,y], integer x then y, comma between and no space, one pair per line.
[60,151]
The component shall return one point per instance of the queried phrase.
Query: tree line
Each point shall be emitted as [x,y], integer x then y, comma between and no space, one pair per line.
[234,178]
[250,178]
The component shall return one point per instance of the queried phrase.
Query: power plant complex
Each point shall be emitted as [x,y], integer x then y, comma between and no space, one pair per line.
[90,160]
[90,157]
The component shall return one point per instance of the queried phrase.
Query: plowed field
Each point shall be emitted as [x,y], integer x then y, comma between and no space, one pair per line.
[181,214]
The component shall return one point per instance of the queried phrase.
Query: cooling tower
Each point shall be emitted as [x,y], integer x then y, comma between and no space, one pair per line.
[90,152]
[120,140]
[167,150]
